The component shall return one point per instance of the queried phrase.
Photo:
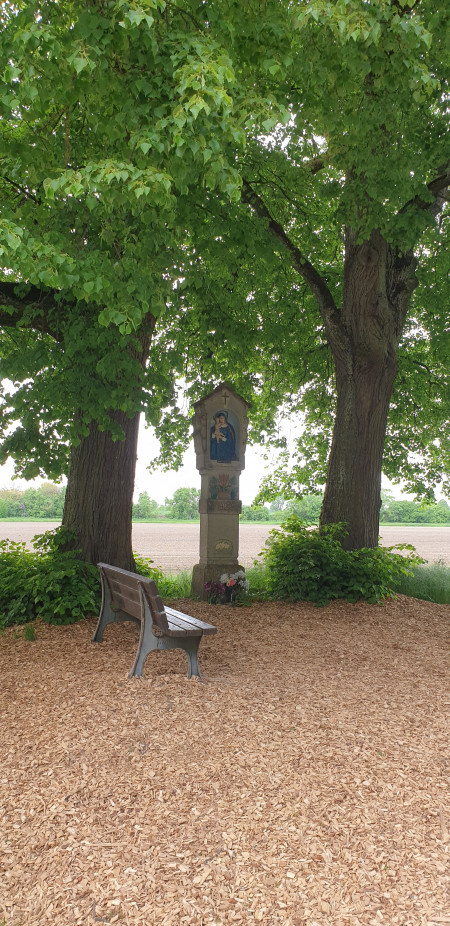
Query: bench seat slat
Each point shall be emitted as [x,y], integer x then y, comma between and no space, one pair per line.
[193,622]
[180,628]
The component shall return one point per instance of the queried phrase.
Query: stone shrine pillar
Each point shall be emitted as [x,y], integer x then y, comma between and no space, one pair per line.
[220,436]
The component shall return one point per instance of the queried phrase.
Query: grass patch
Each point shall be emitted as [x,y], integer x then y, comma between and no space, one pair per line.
[258,582]
[428,582]
[434,524]
[175,585]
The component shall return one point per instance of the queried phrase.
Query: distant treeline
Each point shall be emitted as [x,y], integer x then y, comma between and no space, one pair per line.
[45,502]
[48,502]
[392,511]
[404,512]
[183,506]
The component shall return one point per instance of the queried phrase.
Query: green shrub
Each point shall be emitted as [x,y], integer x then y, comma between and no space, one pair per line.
[49,582]
[145,567]
[305,564]
[17,569]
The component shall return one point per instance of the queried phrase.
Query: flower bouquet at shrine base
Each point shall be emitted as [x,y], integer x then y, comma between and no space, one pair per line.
[229,589]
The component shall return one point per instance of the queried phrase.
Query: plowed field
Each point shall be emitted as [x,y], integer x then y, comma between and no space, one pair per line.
[174,547]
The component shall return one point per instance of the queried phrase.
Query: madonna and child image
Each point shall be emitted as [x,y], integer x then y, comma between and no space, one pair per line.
[222,440]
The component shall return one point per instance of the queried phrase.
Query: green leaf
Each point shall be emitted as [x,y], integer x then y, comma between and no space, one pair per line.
[79,64]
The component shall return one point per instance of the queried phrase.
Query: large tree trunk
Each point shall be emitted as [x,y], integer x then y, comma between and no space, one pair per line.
[377,289]
[353,487]
[99,497]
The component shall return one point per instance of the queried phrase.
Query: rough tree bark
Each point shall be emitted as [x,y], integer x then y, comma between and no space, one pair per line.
[99,496]
[378,283]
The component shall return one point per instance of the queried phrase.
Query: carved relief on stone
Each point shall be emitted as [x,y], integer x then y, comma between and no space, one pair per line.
[233,505]
[224,485]
[223,546]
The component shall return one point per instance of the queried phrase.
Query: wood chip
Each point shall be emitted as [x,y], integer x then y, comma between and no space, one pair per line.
[304,784]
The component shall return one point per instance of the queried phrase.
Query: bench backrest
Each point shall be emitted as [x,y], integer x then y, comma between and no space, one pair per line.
[126,589]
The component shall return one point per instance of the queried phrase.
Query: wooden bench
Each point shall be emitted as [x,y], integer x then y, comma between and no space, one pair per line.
[127,596]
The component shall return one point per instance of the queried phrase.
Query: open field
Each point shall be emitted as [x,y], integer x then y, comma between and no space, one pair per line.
[305,784]
[174,547]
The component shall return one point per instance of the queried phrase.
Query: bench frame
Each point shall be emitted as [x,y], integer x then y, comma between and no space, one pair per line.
[127,596]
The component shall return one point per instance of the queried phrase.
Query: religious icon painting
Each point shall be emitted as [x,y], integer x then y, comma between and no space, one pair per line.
[224,437]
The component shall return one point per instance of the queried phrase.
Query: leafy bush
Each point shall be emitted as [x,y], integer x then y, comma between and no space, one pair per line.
[52,583]
[305,564]
[49,582]
[145,567]
[17,569]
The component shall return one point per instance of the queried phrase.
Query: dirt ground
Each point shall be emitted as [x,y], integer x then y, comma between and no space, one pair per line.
[174,547]
[305,783]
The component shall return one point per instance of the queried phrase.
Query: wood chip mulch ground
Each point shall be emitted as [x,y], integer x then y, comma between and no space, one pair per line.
[305,783]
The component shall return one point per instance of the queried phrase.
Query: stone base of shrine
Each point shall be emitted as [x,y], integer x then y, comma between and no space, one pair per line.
[203,573]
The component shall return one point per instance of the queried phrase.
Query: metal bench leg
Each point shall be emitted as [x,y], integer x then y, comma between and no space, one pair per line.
[106,615]
[152,639]
[191,649]
[147,643]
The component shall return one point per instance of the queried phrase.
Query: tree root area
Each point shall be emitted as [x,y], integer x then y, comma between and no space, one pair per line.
[304,783]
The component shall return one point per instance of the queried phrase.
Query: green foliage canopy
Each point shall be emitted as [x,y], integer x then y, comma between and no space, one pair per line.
[112,115]
[364,152]
[148,173]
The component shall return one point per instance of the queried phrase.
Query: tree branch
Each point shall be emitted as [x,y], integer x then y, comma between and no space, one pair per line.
[439,187]
[307,271]
[20,189]
[32,298]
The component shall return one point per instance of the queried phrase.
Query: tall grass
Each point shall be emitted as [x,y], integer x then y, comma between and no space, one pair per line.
[430,582]
[175,585]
